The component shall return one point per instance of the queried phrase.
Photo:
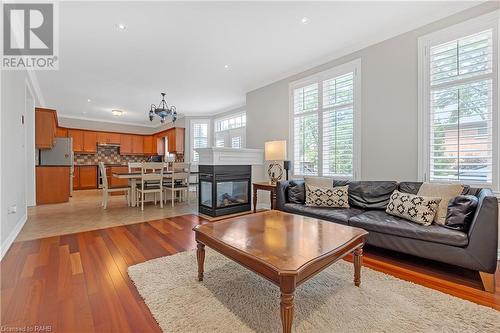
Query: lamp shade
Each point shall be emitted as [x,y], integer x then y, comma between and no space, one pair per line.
[275,150]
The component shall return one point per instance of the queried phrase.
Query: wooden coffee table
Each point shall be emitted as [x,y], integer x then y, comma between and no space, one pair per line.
[284,248]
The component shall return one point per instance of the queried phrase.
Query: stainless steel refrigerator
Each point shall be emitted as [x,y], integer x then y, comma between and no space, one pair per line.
[61,154]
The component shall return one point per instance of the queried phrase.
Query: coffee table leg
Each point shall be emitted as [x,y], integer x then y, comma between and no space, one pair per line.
[200,257]
[358,261]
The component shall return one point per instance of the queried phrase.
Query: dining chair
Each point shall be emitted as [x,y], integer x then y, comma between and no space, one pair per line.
[134,166]
[151,181]
[106,189]
[179,181]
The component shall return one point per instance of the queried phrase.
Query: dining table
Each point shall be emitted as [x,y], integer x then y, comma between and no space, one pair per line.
[133,177]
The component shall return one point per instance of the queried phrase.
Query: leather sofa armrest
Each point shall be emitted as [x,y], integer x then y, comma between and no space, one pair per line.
[483,231]
[281,197]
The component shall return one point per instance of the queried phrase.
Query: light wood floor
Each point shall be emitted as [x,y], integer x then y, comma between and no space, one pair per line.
[79,282]
[84,212]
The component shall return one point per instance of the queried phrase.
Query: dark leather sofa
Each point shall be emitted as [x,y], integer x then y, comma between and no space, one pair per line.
[475,249]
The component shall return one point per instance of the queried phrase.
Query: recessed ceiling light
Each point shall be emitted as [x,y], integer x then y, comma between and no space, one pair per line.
[89,100]
[305,20]
[84,112]
[117,113]
[226,66]
[121,26]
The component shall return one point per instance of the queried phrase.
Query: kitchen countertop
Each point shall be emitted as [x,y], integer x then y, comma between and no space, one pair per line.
[53,166]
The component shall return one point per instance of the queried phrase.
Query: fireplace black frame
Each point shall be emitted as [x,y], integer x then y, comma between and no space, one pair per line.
[224,173]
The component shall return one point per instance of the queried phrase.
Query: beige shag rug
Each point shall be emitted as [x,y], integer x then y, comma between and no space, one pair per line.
[234,299]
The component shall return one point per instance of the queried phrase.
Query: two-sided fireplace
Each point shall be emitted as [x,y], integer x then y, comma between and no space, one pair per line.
[224,189]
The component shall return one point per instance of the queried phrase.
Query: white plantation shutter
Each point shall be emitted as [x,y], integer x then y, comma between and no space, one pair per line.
[324,122]
[338,125]
[461,109]
[199,137]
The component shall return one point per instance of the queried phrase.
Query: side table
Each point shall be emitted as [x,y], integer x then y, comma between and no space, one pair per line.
[265,186]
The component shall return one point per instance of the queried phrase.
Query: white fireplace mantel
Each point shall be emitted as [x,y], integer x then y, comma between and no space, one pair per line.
[230,156]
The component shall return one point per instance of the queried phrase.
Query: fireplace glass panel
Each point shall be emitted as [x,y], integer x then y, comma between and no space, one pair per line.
[206,194]
[232,193]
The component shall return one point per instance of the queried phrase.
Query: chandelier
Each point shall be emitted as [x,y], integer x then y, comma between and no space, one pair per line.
[163,111]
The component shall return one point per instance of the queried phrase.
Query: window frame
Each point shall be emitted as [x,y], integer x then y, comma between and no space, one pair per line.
[351,66]
[460,30]
[191,136]
[229,133]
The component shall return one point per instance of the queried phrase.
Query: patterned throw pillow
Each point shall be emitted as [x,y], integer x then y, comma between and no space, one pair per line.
[333,197]
[415,208]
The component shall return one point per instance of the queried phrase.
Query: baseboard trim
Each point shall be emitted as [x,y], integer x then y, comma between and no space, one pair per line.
[12,236]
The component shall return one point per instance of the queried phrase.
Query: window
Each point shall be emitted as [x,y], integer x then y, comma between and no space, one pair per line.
[458,113]
[325,119]
[230,131]
[219,143]
[199,137]
[236,142]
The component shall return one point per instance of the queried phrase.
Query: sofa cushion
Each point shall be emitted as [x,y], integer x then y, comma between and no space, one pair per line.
[381,222]
[296,191]
[461,211]
[335,197]
[371,194]
[416,208]
[337,215]
[409,187]
[444,191]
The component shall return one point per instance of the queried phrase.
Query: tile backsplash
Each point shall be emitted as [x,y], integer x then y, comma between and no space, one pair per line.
[111,155]
[108,155]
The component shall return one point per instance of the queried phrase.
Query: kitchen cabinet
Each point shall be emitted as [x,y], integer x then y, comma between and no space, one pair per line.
[89,142]
[52,184]
[125,144]
[175,138]
[137,144]
[61,132]
[108,138]
[45,128]
[149,149]
[85,177]
[77,136]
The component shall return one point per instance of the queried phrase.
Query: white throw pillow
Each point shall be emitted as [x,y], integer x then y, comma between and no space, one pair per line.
[411,207]
[333,197]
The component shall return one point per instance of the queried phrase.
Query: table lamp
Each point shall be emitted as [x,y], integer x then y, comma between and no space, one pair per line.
[275,151]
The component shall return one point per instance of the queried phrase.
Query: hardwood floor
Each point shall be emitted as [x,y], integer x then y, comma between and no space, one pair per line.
[79,282]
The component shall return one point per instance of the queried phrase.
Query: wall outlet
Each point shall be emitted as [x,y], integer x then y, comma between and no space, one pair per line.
[12,209]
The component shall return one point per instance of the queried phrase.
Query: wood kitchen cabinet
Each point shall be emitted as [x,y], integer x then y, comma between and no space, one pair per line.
[89,142]
[108,138]
[52,184]
[125,144]
[175,137]
[149,148]
[77,136]
[61,132]
[85,177]
[137,144]
[45,128]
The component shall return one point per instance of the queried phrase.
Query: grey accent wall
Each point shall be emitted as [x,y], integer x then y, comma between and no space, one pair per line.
[389,141]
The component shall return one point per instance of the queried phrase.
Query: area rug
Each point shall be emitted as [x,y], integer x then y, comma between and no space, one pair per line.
[234,299]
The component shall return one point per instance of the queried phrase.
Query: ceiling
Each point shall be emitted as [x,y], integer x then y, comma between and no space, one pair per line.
[182,49]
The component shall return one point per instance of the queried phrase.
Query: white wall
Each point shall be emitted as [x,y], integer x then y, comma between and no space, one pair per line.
[14,162]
